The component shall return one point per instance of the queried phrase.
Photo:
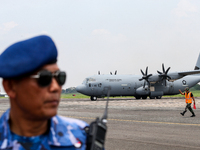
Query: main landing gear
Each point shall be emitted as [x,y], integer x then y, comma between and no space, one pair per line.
[139,97]
[151,97]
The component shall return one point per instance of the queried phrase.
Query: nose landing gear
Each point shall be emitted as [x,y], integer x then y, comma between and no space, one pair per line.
[93,98]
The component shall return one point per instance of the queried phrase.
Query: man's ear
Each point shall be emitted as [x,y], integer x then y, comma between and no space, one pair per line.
[10,87]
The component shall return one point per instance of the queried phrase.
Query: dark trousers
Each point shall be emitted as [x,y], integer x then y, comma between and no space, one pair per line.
[188,106]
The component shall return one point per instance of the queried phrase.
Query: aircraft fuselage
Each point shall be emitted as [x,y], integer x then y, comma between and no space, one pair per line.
[129,85]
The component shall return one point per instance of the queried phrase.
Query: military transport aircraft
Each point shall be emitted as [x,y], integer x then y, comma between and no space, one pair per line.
[147,85]
[3,94]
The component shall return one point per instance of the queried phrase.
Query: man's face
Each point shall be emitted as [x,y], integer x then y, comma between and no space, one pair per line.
[38,102]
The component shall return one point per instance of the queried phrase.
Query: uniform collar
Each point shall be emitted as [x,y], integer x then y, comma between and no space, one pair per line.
[61,133]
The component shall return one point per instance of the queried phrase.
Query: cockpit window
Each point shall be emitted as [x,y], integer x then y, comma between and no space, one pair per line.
[85,81]
[91,79]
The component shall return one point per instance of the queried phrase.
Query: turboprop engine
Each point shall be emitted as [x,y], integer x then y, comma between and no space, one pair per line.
[142,91]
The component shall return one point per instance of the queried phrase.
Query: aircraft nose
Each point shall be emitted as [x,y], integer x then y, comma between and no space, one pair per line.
[80,88]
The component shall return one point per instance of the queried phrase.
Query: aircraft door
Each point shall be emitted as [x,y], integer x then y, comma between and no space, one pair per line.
[105,90]
[129,87]
[171,87]
[134,87]
[93,89]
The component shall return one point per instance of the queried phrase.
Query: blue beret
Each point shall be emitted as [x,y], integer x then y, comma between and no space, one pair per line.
[26,56]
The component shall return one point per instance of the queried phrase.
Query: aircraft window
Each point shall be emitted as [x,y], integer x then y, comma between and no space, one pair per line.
[95,85]
[89,85]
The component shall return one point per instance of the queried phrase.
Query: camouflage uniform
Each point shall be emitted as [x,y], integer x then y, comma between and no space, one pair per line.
[64,133]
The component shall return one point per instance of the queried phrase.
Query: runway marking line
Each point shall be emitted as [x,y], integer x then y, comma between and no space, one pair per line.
[170,123]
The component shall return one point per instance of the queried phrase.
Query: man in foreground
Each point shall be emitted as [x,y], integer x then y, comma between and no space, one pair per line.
[32,80]
[188,99]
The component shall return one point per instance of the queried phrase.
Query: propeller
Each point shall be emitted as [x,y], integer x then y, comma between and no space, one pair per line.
[163,74]
[145,77]
[98,72]
[115,72]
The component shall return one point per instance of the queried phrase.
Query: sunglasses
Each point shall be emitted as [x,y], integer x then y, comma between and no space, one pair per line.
[44,77]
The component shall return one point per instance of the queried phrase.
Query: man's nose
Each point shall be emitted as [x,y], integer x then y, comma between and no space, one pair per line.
[54,85]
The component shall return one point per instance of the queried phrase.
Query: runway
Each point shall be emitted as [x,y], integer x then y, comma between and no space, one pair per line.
[138,124]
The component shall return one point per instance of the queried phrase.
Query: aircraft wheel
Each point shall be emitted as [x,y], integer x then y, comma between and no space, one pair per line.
[137,97]
[158,97]
[151,97]
[144,97]
[93,98]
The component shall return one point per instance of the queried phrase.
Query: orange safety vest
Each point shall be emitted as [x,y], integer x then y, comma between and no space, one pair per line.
[188,98]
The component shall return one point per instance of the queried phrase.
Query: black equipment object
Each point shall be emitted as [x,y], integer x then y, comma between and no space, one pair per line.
[97,131]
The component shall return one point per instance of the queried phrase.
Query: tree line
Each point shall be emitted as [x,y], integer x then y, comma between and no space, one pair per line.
[69,90]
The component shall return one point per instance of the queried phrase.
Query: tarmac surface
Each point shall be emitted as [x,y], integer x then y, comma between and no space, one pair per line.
[138,124]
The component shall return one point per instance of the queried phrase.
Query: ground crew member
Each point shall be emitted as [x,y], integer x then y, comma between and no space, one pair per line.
[188,99]
[33,80]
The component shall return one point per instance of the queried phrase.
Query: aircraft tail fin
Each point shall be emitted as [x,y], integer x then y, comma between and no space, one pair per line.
[197,66]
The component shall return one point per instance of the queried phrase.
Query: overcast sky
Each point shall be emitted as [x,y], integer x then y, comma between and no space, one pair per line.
[108,35]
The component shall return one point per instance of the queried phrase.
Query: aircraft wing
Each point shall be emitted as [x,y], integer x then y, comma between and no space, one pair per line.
[185,73]
[164,75]
[177,75]
[173,75]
